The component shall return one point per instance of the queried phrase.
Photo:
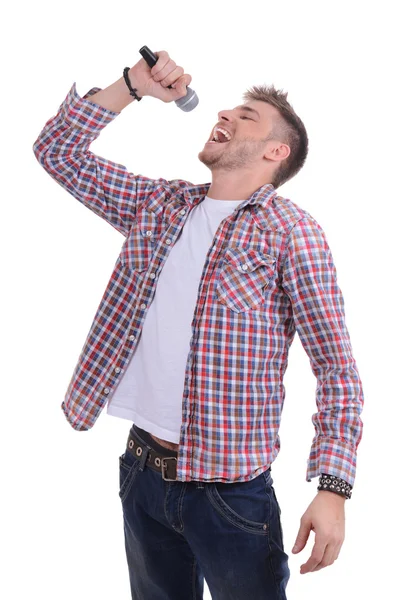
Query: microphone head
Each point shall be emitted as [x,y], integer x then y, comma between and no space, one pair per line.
[189,101]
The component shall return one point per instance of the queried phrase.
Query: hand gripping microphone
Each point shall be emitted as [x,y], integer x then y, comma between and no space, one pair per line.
[190,100]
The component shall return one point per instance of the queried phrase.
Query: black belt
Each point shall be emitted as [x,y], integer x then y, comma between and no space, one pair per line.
[147,451]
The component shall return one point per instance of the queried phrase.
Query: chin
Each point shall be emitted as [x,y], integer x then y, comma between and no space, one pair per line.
[203,158]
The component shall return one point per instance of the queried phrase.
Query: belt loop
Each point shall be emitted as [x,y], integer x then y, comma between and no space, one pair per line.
[143,458]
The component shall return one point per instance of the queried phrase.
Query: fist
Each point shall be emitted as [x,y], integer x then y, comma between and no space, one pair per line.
[154,82]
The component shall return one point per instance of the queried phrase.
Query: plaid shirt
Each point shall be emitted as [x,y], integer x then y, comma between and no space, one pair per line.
[268,274]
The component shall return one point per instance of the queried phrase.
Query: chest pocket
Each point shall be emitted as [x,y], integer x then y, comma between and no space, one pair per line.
[138,248]
[243,278]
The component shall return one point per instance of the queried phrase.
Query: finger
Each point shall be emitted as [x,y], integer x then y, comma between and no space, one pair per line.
[165,71]
[329,557]
[315,557]
[303,535]
[172,77]
[162,59]
[338,549]
[187,79]
[181,84]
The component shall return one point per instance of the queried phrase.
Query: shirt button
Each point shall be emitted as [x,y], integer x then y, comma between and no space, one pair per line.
[168,241]
[183,212]
[244,267]
[143,306]
[106,390]
[132,337]
[152,275]
[148,233]
[117,370]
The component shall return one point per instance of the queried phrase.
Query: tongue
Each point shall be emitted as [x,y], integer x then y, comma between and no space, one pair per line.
[221,137]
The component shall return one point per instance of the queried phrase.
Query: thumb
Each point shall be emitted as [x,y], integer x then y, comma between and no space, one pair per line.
[181,84]
[301,538]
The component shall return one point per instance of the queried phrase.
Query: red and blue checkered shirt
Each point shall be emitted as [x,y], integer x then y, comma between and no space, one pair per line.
[268,274]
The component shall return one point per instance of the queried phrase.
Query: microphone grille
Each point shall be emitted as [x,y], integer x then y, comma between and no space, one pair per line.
[189,101]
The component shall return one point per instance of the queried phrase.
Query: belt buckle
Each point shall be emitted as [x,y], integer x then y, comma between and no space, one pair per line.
[164,466]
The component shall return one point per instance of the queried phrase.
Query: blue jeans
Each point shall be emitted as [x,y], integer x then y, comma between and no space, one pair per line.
[178,533]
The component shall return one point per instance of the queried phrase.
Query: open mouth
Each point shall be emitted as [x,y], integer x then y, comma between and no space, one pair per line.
[220,136]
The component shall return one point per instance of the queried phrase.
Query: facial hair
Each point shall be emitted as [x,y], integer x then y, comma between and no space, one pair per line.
[237,155]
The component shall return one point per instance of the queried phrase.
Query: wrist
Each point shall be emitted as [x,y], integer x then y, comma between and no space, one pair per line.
[115,97]
[140,91]
[332,494]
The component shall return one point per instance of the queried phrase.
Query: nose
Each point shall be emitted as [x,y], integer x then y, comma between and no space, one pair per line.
[225,115]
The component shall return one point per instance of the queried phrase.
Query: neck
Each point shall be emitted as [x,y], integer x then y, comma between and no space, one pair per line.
[234,185]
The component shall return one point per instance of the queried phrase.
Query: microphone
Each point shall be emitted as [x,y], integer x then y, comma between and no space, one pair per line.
[188,102]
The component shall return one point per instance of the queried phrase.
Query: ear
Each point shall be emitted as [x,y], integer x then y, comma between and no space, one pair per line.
[276,151]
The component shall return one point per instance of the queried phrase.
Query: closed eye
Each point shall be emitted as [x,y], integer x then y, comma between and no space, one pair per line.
[244,117]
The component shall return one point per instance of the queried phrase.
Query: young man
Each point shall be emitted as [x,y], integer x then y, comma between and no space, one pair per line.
[191,338]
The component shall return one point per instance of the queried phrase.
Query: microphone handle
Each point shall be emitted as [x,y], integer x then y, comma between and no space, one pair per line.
[150,58]
[187,102]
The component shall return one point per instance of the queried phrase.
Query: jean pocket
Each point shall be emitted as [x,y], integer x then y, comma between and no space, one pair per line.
[128,467]
[244,504]
[244,277]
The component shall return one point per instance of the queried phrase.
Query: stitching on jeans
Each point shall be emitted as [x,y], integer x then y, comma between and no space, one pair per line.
[128,481]
[237,521]
[181,500]
[194,586]
[270,548]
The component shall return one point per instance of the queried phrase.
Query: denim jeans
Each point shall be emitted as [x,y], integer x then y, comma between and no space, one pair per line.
[178,533]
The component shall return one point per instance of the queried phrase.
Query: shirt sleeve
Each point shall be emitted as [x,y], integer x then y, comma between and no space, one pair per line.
[105,187]
[310,281]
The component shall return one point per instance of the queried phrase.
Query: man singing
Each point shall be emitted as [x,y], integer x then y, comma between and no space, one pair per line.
[190,343]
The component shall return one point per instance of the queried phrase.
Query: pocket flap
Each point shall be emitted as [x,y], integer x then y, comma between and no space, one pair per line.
[247,259]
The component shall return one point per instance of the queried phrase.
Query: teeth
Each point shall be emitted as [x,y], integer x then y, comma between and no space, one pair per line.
[228,136]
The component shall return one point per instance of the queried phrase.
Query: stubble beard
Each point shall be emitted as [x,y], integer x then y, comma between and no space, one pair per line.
[237,155]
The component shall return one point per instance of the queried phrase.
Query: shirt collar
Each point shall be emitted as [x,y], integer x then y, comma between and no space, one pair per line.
[194,194]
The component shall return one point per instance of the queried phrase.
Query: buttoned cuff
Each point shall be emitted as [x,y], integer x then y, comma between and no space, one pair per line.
[336,456]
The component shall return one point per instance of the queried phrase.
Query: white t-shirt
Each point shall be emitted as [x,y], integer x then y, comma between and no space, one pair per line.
[150,392]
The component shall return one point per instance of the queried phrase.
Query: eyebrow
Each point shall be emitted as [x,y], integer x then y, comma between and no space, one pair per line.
[248,109]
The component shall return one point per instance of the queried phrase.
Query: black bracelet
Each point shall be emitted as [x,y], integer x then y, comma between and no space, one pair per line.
[335,484]
[132,91]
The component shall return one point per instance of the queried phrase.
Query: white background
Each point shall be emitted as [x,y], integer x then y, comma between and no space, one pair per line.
[350,71]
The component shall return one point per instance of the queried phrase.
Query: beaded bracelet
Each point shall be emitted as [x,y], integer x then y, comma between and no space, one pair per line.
[335,484]
[132,91]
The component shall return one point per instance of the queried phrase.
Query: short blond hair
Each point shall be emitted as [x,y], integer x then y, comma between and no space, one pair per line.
[289,129]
